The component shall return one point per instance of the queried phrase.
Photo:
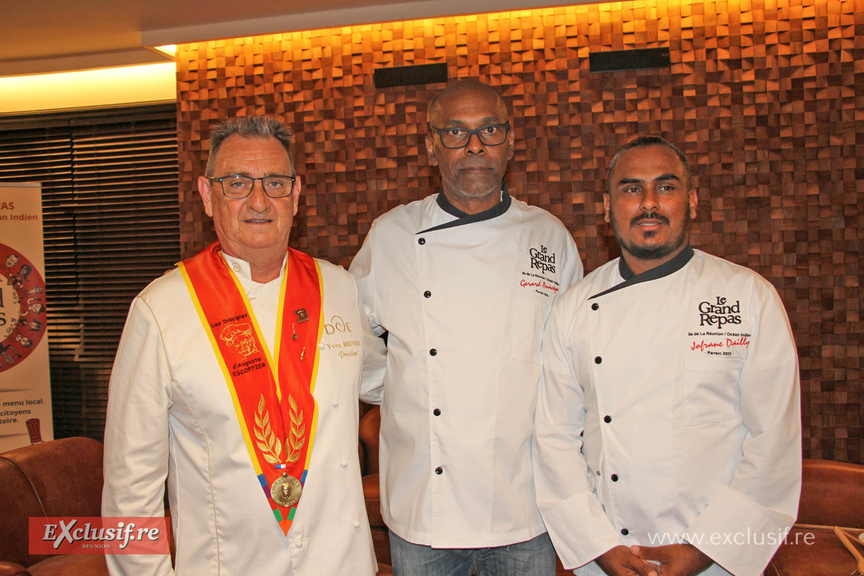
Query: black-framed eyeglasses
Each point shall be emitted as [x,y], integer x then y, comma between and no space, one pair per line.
[455,137]
[240,186]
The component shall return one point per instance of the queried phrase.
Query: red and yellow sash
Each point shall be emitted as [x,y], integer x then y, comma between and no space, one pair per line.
[272,392]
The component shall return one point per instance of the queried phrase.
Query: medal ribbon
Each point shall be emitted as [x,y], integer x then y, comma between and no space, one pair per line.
[273,400]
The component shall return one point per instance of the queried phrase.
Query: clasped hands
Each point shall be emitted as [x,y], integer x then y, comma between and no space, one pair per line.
[671,560]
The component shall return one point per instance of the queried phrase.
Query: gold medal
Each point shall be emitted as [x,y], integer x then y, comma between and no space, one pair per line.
[286,490]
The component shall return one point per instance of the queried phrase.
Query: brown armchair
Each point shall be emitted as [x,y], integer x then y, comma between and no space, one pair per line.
[832,494]
[55,478]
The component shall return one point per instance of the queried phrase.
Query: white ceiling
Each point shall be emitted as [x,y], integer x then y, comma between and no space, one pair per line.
[41,36]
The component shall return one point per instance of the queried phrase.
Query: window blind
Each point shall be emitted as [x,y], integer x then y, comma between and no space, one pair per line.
[110,224]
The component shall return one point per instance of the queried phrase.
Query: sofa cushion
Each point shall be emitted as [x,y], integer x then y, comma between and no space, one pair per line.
[77,565]
[832,494]
[55,478]
[821,554]
[18,502]
[12,569]
[66,475]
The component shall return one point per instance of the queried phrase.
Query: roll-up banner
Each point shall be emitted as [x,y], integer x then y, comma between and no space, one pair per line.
[25,379]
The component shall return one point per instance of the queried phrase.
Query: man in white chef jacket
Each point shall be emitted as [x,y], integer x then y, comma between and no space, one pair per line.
[463,281]
[667,434]
[237,378]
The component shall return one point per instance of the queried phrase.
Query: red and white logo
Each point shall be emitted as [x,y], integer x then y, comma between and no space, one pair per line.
[98,535]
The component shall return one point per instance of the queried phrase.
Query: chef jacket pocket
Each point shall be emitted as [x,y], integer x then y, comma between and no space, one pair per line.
[711,389]
[526,330]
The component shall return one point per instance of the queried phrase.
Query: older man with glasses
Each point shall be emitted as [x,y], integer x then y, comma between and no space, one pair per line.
[226,382]
[462,282]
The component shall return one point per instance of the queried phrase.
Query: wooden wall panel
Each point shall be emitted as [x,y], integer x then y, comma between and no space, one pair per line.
[766,97]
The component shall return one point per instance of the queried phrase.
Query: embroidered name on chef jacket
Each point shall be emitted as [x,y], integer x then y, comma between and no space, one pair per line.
[339,336]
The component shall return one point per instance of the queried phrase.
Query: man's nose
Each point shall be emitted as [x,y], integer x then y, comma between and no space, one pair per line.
[475,145]
[258,199]
[649,201]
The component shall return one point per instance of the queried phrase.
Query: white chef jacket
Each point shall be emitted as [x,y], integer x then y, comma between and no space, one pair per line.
[684,382]
[170,413]
[464,300]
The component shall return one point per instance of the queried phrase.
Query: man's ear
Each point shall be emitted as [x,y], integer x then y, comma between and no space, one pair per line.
[295,194]
[430,149]
[606,202]
[694,202]
[205,190]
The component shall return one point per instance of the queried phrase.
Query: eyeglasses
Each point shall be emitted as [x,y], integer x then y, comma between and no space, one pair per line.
[491,135]
[239,186]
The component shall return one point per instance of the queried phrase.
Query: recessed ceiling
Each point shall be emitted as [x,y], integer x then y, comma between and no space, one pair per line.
[41,36]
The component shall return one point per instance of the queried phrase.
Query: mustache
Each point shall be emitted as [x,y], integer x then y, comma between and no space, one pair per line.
[649,216]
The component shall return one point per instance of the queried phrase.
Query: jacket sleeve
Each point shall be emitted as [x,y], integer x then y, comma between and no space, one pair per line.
[372,384]
[136,435]
[574,516]
[573,270]
[745,523]
[374,360]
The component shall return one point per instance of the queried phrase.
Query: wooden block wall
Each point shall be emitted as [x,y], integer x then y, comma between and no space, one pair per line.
[766,97]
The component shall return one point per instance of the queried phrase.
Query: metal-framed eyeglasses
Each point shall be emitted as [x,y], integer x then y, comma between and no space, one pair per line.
[240,186]
[456,137]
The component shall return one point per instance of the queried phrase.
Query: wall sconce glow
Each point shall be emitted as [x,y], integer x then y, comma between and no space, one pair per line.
[89,88]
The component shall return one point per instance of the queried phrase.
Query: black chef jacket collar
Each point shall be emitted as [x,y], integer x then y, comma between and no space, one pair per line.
[462,218]
[665,269]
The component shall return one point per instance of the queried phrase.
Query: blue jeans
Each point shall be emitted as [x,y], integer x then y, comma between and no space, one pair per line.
[536,557]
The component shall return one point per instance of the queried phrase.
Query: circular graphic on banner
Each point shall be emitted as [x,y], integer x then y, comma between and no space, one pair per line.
[23,317]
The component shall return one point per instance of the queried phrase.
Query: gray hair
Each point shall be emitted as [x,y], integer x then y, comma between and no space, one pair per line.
[645,142]
[263,127]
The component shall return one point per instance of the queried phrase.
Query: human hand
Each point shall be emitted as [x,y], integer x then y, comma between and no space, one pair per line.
[674,559]
[620,561]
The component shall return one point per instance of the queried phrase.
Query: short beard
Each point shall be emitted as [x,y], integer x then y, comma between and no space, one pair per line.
[651,252]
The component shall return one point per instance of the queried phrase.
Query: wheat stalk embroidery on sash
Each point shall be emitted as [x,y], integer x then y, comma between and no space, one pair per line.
[268,443]
[298,430]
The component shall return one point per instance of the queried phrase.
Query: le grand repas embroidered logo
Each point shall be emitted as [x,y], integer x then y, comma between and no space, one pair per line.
[720,313]
[542,259]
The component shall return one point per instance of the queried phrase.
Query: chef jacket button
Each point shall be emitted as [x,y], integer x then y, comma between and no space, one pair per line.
[421,241]
[598,360]
[439,470]
[436,411]
[614,477]
[598,473]
[320,345]
[433,352]
[607,419]
[427,294]
[356,523]
[344,463]
[595,306]
[298,543]
[625,532]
